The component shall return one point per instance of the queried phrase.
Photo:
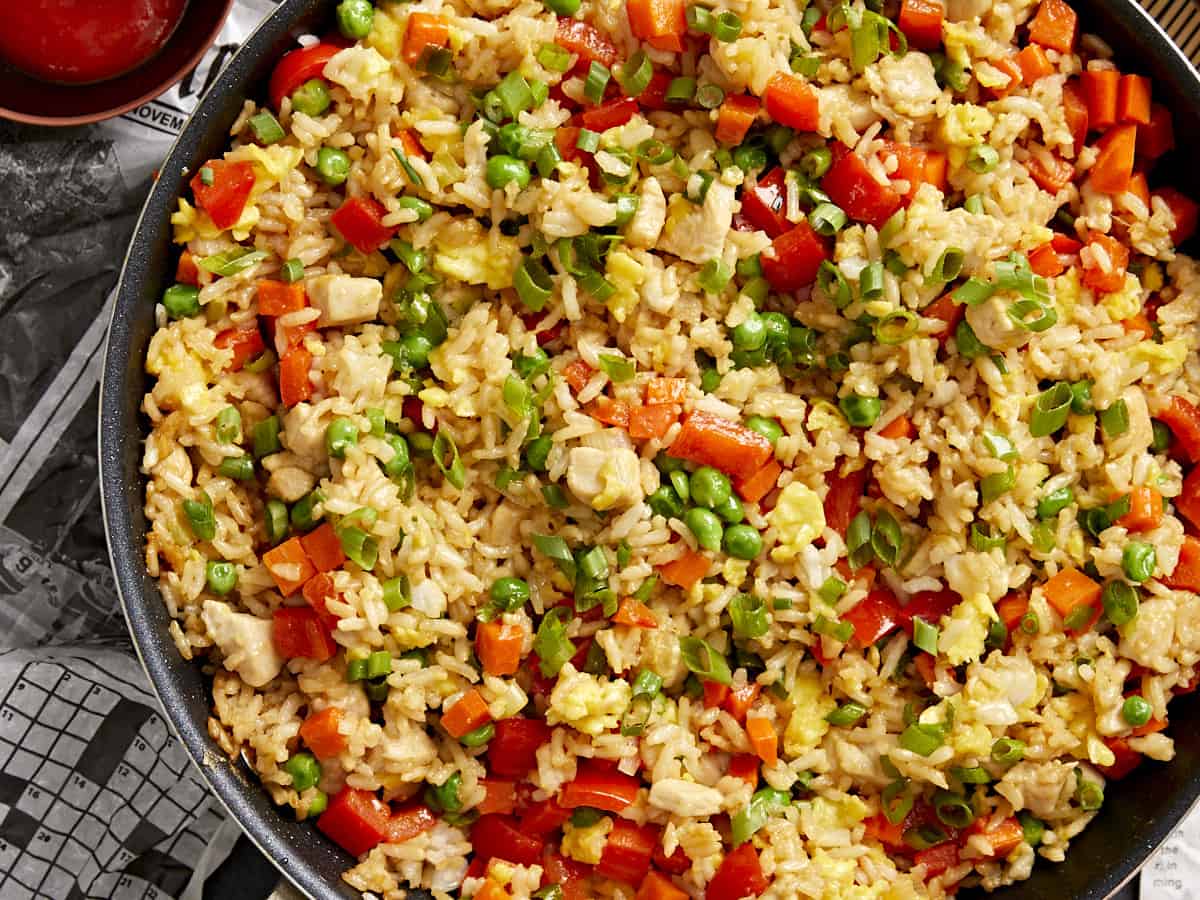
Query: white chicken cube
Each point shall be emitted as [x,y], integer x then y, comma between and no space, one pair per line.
[685,798]
[697,233]
[344,299]
[651,214]
[245,642]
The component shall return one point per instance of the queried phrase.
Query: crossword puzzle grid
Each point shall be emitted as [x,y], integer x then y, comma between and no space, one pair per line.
[93,792]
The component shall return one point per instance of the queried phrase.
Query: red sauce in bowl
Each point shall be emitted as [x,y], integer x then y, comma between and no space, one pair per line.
[84,41]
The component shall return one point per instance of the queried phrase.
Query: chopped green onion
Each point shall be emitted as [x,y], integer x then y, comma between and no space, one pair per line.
[897,801]
[1162,436]
[266,128]
[636,74]
[997,484]
[515,95]
[709,96]
[1054,502]
[827,219]
[831,590]
[556,550]
[858,541]
[703,660]
[229,425]
[973,291]
[714,276]
[948,265]
[1120,602]
[897,327]
[626,208]
[974,205]
[1115,419]
[240,468]
[554,496]
[925,635]
[1050,410]
[972,775]
[551,644]
[275,516]
[749,615]
[1008,751]
[230,262]
[983,540]
[588,141]
[597,80]
[446,458]
[816,162]
[953,809]
[358,546]
[680,90]
[554,58]
[699,18]
[1032,828]
[870,281]
[922,739]
[1021,310]
[832,283]
[839,631]
[206,176]
[982,158]
[999,445]
[763,804]
[887,540]
[846,715]
[533,284]
[396,593]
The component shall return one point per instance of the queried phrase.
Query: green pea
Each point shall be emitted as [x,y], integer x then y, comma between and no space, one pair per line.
[1136,711]
[503,169]
[665,502]
[355,18]
[221,576]
[708,487]
[414,351]
[445,797]
[340,434]
[563,7]
[229,425]
[400,462]
[751,334]
[1081,398]
[705,525]
[317,804]
[181,301]
[730,510]
[537,452]
[710,379]
[1138,561]
[668,464]
[742,542]
[304,769]
[275,515]
[777,329]
[768,428]
[333,165]
[312,97]
[510,593]
[479,736]
[423,208]
[861,412]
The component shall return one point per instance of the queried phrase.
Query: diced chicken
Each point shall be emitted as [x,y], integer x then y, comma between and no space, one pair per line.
[685,798]
[906,84]
[290,483]
[994,326]
[651,214]
[604,479]
[245,642]
[697,233]
[1043,788]
[344,299]
[304,435]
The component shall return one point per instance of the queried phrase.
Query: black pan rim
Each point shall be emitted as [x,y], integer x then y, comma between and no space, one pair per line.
[309,861]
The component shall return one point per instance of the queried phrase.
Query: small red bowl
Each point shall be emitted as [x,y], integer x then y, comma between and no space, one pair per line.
[26,99]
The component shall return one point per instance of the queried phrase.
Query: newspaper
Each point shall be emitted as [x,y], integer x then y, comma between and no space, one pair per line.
[97,799]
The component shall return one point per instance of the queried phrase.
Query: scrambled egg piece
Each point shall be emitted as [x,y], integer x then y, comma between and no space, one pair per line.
[824,416]
[411,638]
[843,811]
[182,379]
[965,629]
[810,706]
[360,70]
[604,479]
[191,223]
[489,261]
[586,702]
[1164,358]
[1076,710]
[1066,293]
[1126,302]
[271,164]
[799,517]
[387,33]
[966,125]
[837,879]
[586,844]
[626,274]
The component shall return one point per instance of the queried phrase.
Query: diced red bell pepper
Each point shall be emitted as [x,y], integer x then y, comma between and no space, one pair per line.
[226,197]
[612,114]
[844,497]
[850,184]
[735,117]
[1184,209]
[729,446]
[297,631]
[929,605]
[792,260]
[937,860]
[654,97]
[512,752]
[499,796]
[1003,837]
[1183,418]
[740,875]
[764,204]
[569,874]
[1127,759]
[1156,138]
[741,698]
[1051,173]
[246,343]
[297,67]
[186,270]
[715,694]
[793,102]
[355,820]
[875,616]
[1186,576]
[609,411]
[660,23]
[601,787]
[499,837]
[294,386]
[409,821]
[321,733]
[544,817]
[318,591]
[360,221]
[921,22]
[1113,279]
[678,862]
[585,41]
[324,548]
[627,852]
[949,312]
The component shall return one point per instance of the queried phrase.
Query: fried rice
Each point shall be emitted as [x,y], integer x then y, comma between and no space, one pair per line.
[602,449]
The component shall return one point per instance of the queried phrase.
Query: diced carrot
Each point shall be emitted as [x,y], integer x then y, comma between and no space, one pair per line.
[492,891]
[470,711]
[899,427]
[245,343]
[1138,324]
[498,646]
[1003,838]
[745,767]
[666,390]
[1145,510]
[609,411]
[921,22]
[1158,135]
[635,614]
[1010,67]
[1187,504]
[735,117]
[1045,261]
[1139,187]
[1113,278]
[660,23]
[318,591]
[1185,211]
[724,444]
[578,374]
[324,548]
[424,30]
[1069,590]
[1012,609]
[793,102]
[760,483]
[499,797]
[294,386]
[187,272]
[1100,88]
[1034,64]
[686,570]
[656,886]
[1114,164]
[276,298]
[1052,173]
[1127,759]
[763,739]
[1154,726]
[289,566]
[715,694]
[1133,99]
[916,165]
[1075,112]
[1186,576]
[411,143]
[741,698]
[1183,418]
[586,41]
[652,422]
[947,311]
[1055,26]
[321,733]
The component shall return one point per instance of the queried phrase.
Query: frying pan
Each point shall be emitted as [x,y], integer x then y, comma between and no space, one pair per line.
[1141,810]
